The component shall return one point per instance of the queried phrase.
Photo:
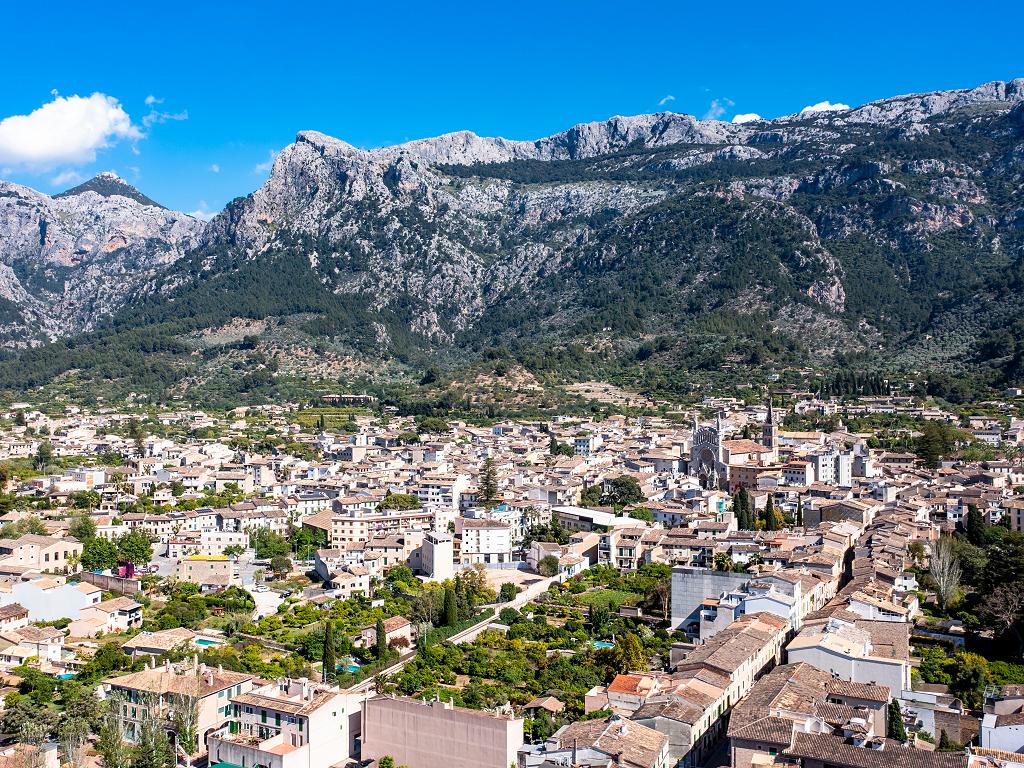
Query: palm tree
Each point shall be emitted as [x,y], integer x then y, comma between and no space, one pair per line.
[381,683]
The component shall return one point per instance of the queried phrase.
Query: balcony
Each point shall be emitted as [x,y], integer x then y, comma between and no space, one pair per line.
[254,750]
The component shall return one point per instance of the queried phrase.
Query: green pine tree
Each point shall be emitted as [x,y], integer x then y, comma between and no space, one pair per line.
[488,483]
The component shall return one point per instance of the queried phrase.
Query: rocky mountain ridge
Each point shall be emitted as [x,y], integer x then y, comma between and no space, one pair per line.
[459,247]
[659,241]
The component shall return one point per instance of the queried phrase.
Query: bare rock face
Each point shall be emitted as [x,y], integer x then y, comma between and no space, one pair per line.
[917,107]
[417,222]
[628,225]
[68,262]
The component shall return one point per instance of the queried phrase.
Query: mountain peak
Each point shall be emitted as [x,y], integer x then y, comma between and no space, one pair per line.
[108,184]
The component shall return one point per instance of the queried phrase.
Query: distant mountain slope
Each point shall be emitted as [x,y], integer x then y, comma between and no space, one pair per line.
[108,184]
[71,261]
[660,242]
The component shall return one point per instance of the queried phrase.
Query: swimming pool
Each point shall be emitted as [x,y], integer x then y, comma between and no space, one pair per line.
[601,644]
[65,676]
[352,667]
[204,642]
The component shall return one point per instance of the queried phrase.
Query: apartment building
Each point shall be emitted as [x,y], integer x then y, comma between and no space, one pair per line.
[50,598]
[164,686]
[32,552]
[27,642]
[799,697]
[483,541]
[109,616]
[13,616]
[210,572]
[362,524]
[860,651]
[288,724]
[437,556]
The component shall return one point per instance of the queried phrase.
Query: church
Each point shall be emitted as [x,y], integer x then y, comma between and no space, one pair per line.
[711,455]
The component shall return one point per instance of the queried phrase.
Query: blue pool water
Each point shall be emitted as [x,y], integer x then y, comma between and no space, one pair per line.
[347,667]
[65,676]
[601,644]
[204,641]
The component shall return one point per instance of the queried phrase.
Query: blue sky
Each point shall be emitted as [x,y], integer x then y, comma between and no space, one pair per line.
[228,84]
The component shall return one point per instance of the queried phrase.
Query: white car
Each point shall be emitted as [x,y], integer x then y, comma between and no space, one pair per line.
[262,588]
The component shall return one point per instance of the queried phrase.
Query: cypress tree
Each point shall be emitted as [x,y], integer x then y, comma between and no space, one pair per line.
[896,728]
[975,526]
[771,519]
[328,660]
[450,614]
[745,521]
[382,639]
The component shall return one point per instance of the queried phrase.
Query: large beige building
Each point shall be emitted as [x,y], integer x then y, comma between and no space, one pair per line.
[438,735]
[210,571]
[32,552]
[211,690]
[289,724]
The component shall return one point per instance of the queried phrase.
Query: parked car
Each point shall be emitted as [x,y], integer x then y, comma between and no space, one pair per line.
[262,588]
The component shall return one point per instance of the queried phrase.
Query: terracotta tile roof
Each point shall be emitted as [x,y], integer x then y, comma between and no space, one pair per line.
[834,750]
[633,745]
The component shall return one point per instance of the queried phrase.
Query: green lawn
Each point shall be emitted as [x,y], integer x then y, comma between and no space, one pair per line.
[606,598]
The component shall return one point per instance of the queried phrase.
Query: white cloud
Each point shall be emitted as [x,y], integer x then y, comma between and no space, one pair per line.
[666,100]
[156,117]
[267,164]
[824,106]
[718,108]
[215,168]
[203,212]
[66,131]
[67,178]
[151,100]
[136,171]
[746,117]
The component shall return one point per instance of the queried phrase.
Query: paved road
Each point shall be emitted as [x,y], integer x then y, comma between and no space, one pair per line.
[266,602]
[720,757]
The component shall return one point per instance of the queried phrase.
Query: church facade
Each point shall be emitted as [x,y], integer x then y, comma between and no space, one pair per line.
[711,454]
